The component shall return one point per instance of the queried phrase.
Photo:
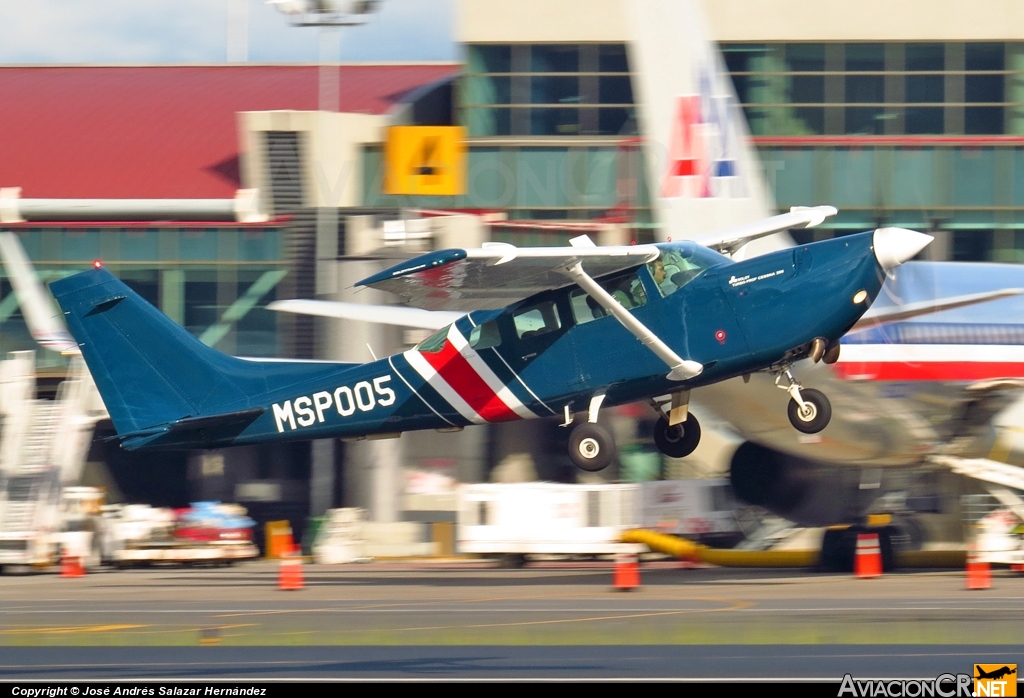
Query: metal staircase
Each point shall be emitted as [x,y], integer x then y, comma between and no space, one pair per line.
[43,447]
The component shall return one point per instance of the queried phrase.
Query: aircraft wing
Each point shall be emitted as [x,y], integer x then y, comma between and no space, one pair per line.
[731,240]
[911,310]
[383,314]
[498,274]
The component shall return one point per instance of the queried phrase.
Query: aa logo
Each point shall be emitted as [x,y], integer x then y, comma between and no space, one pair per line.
[995,679]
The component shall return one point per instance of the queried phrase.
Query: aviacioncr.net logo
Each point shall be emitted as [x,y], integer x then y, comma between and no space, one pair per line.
[943,686]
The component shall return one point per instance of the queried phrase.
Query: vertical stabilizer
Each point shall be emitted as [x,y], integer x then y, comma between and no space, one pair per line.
[702,170]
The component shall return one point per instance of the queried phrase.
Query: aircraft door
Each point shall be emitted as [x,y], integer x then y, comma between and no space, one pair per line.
[710,328]
[754,289]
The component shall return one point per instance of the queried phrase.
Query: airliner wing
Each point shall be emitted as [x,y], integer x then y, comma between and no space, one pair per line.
[45,322]
[383,314]
[498,274]
[911,310]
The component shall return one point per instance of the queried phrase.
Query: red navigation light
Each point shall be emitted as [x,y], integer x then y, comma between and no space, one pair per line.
[97,264]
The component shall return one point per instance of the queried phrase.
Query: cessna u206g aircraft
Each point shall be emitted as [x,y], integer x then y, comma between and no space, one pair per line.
[528,333]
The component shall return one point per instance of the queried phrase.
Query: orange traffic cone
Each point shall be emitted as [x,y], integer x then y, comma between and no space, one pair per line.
[627,572]
[868,561]
[290,574]
[71,566]
[1017,567]
[979,576]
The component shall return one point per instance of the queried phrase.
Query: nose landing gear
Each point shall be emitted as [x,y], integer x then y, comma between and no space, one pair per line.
[809,410]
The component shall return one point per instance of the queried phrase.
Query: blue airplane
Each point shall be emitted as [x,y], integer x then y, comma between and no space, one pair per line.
[525,333]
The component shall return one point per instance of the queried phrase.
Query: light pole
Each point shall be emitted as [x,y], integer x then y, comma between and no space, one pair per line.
[380,459]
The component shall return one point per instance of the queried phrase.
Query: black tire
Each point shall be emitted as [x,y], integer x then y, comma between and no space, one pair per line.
[591,447]
[678,441]
[512,561]
[818,416]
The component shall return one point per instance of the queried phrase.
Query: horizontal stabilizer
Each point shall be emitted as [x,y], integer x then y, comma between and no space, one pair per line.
[381,314]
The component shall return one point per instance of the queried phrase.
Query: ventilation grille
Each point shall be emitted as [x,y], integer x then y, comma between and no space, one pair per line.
[284,163]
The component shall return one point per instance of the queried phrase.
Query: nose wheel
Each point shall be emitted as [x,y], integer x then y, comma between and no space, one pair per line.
[591,447]
[809,410]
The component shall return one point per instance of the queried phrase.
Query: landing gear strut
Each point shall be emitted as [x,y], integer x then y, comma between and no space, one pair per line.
[677,432]
[809,410]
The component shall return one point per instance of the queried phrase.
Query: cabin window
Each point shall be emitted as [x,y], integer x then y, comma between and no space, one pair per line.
[671,271]
[434,343]
[537,320]
[627,290]
[485,336]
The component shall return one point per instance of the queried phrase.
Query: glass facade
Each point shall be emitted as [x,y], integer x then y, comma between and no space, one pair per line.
[214,279]
[880,88]
[547,90]
[921,135]
[971,190]
[555,181]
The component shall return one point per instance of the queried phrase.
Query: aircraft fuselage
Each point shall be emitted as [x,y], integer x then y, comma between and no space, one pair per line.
[553,349]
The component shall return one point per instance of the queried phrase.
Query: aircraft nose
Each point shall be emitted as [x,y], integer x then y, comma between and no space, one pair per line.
[894,246]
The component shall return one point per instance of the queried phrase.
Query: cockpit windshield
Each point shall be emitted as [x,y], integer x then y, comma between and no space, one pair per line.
[679,264]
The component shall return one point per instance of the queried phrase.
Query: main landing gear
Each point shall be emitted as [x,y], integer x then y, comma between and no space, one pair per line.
[809,410]
[676,434]
[591,446]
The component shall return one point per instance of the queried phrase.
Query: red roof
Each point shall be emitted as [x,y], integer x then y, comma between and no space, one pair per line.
[161,131]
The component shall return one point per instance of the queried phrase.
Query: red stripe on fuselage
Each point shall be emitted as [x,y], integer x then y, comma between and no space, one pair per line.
[464,380]
[929,371]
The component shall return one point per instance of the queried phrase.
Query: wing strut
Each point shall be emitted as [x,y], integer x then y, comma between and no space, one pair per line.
[682,369]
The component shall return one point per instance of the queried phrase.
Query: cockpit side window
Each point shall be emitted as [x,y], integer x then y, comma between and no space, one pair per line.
[434,343]
[485,336]
[671,271]
[627,290]
[537,320]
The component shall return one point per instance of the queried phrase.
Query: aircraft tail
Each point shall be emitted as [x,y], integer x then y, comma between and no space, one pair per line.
[703,172]
[150,371]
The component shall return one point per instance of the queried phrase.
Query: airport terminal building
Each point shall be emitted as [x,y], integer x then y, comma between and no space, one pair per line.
[214,190]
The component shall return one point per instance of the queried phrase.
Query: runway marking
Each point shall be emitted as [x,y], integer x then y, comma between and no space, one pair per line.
[400,606]
[74,629]
[736,605]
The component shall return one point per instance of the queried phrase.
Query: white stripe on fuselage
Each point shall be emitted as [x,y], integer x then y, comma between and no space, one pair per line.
[434,379]
[414,392]
[487,375]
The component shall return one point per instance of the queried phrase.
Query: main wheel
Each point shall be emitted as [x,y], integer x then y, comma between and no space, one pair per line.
[591,447]
[677,441]
[815,417]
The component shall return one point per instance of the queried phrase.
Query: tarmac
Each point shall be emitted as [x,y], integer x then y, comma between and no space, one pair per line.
[458,619]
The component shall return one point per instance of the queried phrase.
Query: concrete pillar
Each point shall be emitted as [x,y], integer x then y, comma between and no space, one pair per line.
[372,478]
[321,476]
